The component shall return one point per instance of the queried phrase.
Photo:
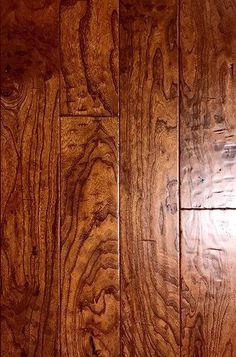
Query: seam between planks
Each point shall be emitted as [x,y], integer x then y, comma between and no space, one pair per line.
[119,169]
[178,175]
[208,209]
[78,116]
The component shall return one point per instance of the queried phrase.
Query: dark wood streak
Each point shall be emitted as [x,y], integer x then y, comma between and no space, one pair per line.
[89,57]
[90,287]
[148,180]
[209,288]
[29,178]
[208,115]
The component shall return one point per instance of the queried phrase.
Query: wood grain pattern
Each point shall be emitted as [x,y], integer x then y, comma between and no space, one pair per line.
[89,259]
[29,178]
[148,200]
[209,288]
[73,291]
[208,92]
[89,57]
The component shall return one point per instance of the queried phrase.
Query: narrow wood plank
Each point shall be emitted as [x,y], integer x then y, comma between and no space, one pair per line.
[148,209]
[209,287]
[89,258]
[208,108]
[89,57]
[29,178]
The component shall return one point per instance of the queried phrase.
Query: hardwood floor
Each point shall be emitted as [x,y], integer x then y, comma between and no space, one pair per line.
[118,178]
[89,57]
[209,288]
[148,180]
[29,179]
[89,237]
[208,177]
[208,92]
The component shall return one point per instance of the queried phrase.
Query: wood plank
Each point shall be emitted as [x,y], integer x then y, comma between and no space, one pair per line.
[148,178]
[89,258]
[209,287]
[29,178]
[89,57]
[208,109]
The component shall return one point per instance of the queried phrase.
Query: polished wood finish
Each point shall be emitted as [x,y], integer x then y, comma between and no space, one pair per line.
[89,57]
[148,179]
[29,178]
[209,286]
[89,237]
[208,177]
[208,92]
[93,260]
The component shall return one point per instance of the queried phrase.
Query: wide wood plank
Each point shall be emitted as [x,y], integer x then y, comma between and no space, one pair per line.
[89,237]
[208,108]
[209,286]
[148,178]
[89,57]
[29,178]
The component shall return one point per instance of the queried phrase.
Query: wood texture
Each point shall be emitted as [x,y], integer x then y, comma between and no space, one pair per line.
[29,178]
[148,201]
[89,260]
[70,170]
[209,287]
[89,57]
[208,92]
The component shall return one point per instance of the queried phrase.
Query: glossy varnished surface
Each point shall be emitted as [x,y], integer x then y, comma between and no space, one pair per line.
[66,158]
[148,179]
[89,237]
[208,108]
[89,57]
[209,287]
[29,178]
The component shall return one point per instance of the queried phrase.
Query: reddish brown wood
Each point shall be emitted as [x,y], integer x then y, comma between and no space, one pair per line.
[89,57]
[209,287]
[81,284]
[208,108]
[208,176]
[29,178]
[89,236]
[148,163]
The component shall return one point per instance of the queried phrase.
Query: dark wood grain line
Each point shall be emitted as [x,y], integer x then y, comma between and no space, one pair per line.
[89,57]
[89,256]
[148,179]
[208,92]
[209,289]
[29,178]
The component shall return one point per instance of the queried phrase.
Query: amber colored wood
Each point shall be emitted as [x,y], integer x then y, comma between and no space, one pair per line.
[209,286]
[89,57]
[148,179]
[29,178]
[89,236]
[208,92]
